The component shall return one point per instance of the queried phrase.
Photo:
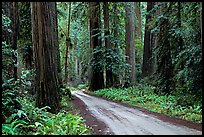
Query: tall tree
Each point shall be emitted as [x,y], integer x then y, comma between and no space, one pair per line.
[115,26]
[164,60]
[178,41]
[97,80]
[77,59]
[138,22]
[147,56]
[44,47]
[116,79]
[68,44]
[109,74]
[130,42]
[55,37]
[90,72]
[154,35]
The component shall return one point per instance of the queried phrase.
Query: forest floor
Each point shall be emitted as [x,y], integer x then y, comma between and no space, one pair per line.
[107,117]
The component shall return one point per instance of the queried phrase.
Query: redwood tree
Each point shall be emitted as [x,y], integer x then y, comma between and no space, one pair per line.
[116,80]
[44,38]
[68,44]
[109,74]
[96,79]
[130,42]
[139,23]
[147,67]
[165,67]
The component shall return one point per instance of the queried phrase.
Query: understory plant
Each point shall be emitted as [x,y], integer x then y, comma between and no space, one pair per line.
[143,96]
[38,121]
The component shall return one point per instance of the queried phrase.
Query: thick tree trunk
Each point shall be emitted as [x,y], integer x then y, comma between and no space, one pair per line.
[55,37]
[90,73]
[154,41]
[115,22]
[164,60]
[97,80]
[109,74]
[68,43]
[130,42]
[116,80]
[44,47]
[139,24]
[147,55]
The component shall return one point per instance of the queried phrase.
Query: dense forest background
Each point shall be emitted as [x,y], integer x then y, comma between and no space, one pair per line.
[49,48]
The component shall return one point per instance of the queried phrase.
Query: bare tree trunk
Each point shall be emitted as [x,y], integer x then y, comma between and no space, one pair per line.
[55,37]
[139,24]
[44,47]
[90,73]
[164,60]
[116,79]
[147,56]
[109,74]
[130,42]
[155,43]
[97,80]
[68,43]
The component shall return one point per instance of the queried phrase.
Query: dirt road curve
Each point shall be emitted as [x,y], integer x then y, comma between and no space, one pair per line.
[122,120]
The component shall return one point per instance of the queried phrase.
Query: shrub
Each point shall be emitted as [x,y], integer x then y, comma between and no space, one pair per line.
[38,121]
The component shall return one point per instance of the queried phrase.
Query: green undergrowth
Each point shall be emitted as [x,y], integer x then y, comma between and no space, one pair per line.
[80,86]
[144,97]
[38,121]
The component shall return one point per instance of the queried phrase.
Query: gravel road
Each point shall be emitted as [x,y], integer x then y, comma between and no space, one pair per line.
[121,120]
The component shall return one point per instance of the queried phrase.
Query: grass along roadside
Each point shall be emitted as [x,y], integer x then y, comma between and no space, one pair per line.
[144,97]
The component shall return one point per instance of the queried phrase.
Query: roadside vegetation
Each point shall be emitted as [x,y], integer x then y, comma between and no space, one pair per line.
[26,119]
[34,121]
[143,96]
